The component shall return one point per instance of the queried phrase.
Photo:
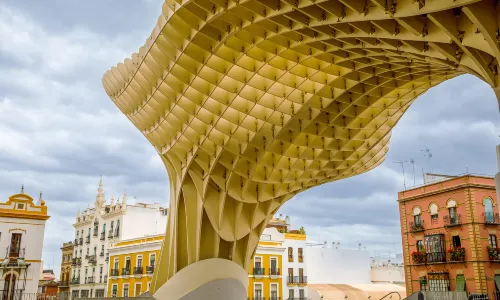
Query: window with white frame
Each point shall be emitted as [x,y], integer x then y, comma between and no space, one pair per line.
[152,259]
[258,291]
[274,291]
[114,290]
[125,290]
[139,261]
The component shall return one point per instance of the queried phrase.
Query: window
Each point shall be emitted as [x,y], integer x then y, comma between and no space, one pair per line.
[125,290]
[87,251]
[80,253]
[102,250]
[302,294]
[95,250]
[20,206]
[439,282]
[100,273]
[291,294]
[455,240]
[301,276]
[290,254]
[274,266]
[258,291]
[290,275]
[493,240]
[127,263]
[488,210]
[497,283]
[257,267]
[15,245]
[93,271]
[435,248]
[116,261]
[417,220]
[301,257]
[114,290]
[137,289]
[139,261]
[420,246]
[274,291]
[433,208]
[85,293]
[152,258]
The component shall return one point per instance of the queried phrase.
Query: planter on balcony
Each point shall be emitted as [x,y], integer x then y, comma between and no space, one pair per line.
[457,254]
[494,253]
[418,257]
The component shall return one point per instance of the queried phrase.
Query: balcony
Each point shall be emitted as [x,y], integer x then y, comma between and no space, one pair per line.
[89,280]
[290,280]
[107,257]
[114,272]
[491,218]
[87,240]
[150,269]
[274,297]
[493,254]
[451,221]
[259,272]
[138,270]
[110,233]
[101,254]
[75,280]
[300,280]
[274,273]
[76,261]
[81,241]
[258,298]
[416,227]
[125,271]
[456,255]
[103,236]
[92,260]
[76,242]
[436,257]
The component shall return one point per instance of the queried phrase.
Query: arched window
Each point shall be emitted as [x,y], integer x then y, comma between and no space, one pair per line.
[416,216]
[452,211]
[488,210]
[433,208]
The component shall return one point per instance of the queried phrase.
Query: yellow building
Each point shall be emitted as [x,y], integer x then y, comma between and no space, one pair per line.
[131,266]
[271,275]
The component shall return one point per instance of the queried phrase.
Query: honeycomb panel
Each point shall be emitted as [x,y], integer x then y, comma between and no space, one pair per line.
[250,102]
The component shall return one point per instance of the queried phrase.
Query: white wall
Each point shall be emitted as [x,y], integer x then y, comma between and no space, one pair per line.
[296,265]
[337,266]
[32,241]
[141,221]
[387,274]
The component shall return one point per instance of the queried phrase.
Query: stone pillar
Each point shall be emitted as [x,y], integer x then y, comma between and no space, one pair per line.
[210,279]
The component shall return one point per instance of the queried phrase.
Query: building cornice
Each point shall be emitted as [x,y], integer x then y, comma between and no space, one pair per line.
[441,191]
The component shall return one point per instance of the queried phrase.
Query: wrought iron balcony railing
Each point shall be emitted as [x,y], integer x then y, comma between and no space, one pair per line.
[110,233]
[76,242]
[101,254]
[81,241]
[150,269]
[125,271]
[289,279]
[138,270]
[75,280]
[436,257]
[491,218]
[259,271]
[300,279]
[92,259]
[89,280]
[114,272]
[274,272]
[76,261]
[87,239]
[63,283]
[452,221]
[415,227]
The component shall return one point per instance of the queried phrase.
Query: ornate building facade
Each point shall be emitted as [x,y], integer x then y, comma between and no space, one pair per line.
[449,229]
[22,228]
[101,225]
[67,257]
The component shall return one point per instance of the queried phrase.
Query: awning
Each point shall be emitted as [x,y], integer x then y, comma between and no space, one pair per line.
[460,286]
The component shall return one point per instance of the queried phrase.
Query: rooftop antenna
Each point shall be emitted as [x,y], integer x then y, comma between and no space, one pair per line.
[403,167]
[412,162]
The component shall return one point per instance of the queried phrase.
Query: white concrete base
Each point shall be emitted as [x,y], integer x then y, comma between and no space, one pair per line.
[211,279]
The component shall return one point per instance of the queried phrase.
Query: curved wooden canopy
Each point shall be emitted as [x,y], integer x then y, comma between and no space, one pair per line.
[251,102]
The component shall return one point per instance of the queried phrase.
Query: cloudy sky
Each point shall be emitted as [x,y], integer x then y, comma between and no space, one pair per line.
[59,131]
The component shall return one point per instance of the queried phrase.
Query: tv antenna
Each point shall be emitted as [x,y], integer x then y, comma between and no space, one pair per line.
[427,152]
[403,167]
[412,162]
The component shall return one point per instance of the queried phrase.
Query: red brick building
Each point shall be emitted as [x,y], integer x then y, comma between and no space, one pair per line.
[449,230]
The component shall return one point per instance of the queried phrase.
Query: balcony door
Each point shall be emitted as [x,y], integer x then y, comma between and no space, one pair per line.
[258,291]
[274,266]
[9,286]
[435,248]
[15,245]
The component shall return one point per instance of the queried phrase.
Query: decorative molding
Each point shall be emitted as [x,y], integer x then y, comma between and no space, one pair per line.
[20,229]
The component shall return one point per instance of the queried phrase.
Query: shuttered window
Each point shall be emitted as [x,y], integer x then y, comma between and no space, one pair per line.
[460,287]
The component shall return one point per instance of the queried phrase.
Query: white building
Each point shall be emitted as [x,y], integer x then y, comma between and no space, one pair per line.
[96,227]
[387,269]
[337,266]
[22,227]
